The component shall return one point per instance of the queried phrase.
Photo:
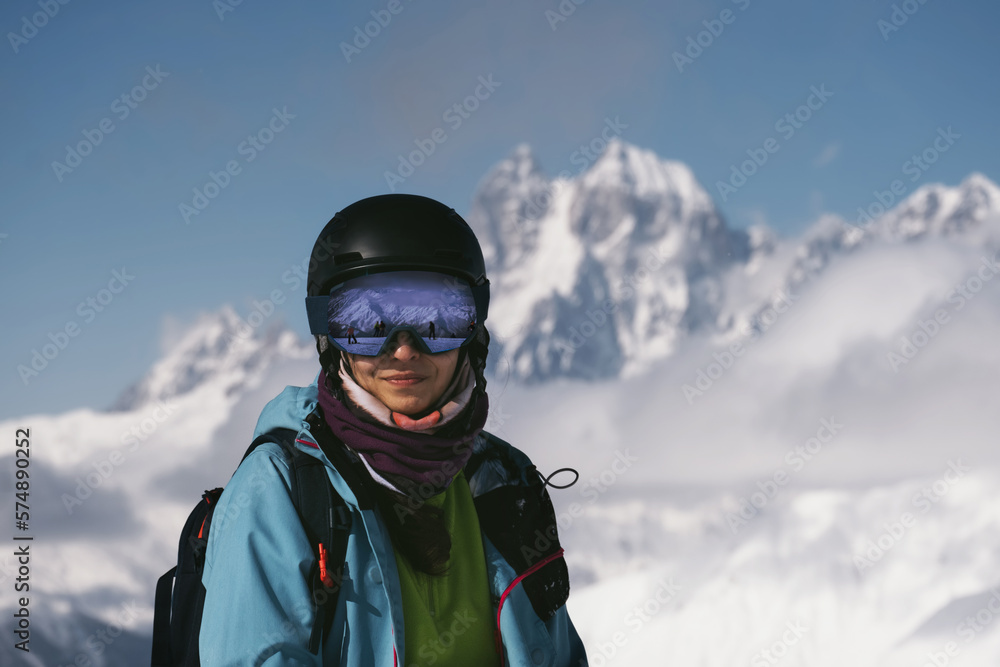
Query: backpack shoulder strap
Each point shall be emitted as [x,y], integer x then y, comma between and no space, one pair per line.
[283,436]
[180,594]
[327,523]
[161,619]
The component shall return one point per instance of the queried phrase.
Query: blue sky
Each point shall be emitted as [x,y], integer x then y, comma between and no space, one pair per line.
[336,123]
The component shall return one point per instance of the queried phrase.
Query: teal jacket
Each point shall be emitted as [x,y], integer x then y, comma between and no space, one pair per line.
[258,607]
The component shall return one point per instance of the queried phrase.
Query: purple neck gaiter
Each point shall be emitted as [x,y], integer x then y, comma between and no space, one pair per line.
[406,458]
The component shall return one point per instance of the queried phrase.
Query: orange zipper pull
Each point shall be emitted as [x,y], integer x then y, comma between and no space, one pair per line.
[324,574]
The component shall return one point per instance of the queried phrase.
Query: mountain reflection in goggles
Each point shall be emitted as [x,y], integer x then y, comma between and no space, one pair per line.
[436,309]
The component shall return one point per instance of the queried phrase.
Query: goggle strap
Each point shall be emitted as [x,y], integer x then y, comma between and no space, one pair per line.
[316,307]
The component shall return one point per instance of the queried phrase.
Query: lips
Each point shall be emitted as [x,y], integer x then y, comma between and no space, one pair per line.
[404,379]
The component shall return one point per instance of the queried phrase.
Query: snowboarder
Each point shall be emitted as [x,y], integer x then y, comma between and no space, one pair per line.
[452,531]
[350,334]
[432,331]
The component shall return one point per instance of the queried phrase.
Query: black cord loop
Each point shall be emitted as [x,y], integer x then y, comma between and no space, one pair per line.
[545,480]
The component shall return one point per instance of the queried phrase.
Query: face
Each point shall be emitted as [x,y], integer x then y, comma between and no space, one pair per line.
[403,378]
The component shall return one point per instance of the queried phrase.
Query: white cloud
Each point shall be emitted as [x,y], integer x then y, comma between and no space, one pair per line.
[826,356]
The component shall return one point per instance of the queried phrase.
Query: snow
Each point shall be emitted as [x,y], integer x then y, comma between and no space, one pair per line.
[737,593]
[683,546]
[633,237]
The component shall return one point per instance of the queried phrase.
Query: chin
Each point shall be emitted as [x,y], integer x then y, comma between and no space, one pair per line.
[407,407]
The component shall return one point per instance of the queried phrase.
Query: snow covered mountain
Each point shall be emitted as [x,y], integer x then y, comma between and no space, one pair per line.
[221,347]
[937,210]
[685,543]
[596,275]
[599,275]
[968,214]
[110,490]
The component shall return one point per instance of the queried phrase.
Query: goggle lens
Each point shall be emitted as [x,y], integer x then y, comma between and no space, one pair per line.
[437,310]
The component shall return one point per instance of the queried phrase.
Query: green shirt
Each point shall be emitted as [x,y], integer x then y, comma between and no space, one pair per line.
[448,620]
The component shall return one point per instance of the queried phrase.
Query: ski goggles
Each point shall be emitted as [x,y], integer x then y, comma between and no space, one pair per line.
[363,315]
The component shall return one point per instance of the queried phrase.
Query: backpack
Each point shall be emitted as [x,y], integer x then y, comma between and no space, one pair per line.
[180,595]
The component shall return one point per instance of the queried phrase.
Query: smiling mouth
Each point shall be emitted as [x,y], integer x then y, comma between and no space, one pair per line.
[404,379]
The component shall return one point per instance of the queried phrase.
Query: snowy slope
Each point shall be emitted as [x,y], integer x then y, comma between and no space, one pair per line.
[713,598]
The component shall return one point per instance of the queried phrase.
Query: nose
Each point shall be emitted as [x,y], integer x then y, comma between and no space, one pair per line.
[402,343]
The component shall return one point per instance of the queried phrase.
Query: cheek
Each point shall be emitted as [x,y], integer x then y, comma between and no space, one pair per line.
[446,371]
[363,373]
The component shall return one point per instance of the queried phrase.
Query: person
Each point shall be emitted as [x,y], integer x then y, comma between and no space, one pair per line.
[350,335]
[453,556]
[432,331]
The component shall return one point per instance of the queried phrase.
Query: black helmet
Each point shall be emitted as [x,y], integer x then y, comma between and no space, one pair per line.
[400,232]
[393,233]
